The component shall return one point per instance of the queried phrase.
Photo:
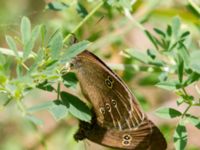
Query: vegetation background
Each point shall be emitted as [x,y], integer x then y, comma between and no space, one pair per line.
[153,45]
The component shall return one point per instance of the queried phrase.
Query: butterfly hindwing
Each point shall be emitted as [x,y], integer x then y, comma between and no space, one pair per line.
[145,137]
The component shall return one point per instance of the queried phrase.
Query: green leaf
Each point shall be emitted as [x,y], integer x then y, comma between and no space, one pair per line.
[192,78]
[195,67]
[25,30]
[28,46]
[74,50]
[180,68]
[179,101]
[81,10]
[56,108]
[76,107]
[180,137]
[57,6]
[169,30]
[184,34]
[38,60]
[70,79]
[27,49]
[59,111]
[193,120]
[184,54]
[11,43]
[137,55]
[194,61]
[160,32]
[43,32]
[35,32]
[41,106]
[167,85]
[167,113]
[45,86]
[151,38]
[151,53]
[56,44]
[34,120]
[176,23]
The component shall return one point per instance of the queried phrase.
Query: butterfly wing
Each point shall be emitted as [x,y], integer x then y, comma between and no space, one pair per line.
[113,103]
[116,109]
[146,137]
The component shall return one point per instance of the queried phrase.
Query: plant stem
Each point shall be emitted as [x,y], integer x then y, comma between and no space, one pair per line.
[130,17]
[184,91]
[21,107]
[10,52]
[7,102]
[24,65]
[58,90]
[186,110]
[83,21]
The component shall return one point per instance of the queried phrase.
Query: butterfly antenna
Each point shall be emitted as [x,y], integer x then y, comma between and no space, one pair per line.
[99,20]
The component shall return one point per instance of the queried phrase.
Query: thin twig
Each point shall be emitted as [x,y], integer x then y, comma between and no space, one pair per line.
[83,21]
[186,110]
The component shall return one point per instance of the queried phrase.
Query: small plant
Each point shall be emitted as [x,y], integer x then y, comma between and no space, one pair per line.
[39,56]
[44,73]
[178,68]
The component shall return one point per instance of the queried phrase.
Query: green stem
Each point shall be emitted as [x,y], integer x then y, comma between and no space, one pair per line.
[21,107]
[58,91]
[196,104]
[132,19]
[184,91]
[24,65]
[194,5]
[189,104]
[7,102]
[83,21]
[186,110]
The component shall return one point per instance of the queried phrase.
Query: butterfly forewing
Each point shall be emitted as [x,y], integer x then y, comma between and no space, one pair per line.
[104,90]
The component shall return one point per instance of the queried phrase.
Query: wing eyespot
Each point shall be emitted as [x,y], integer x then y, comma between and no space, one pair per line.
[114,102]
[127,137]
[110,79]
[109,82]
[126,143]
[102,110]
[107,106]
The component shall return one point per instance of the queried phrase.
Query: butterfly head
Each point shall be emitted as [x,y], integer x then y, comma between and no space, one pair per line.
[74,64]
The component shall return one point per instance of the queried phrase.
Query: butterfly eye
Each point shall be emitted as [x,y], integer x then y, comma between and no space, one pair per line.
[71,65]
[108,107]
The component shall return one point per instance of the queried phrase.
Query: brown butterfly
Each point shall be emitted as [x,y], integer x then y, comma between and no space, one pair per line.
[118,120]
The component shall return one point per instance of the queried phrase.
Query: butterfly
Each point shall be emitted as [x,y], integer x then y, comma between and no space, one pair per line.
[118,121]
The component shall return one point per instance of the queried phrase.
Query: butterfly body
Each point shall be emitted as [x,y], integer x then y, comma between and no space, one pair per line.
[118,120]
